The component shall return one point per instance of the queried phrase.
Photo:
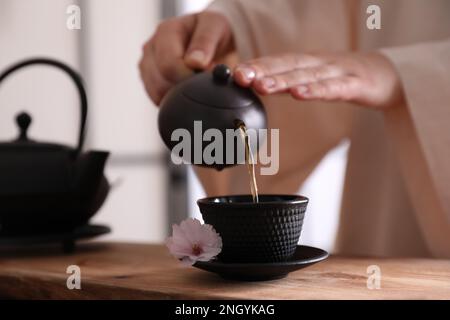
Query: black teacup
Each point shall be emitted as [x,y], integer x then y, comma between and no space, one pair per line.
[267,231]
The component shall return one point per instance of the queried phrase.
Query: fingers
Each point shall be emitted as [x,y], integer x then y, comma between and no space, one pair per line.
[155,84]
[284,81]
[162,64]
[180,45]
[251,70]
[346,88]
[305,77]
[212,34]
[169,44]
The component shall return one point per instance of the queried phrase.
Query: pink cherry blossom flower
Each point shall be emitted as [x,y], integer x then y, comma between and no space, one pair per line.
[191,241]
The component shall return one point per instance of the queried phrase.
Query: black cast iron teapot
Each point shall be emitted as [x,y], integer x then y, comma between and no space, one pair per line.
[215,101]
[47,187]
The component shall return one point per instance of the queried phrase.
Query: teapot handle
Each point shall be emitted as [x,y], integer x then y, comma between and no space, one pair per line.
[76,79]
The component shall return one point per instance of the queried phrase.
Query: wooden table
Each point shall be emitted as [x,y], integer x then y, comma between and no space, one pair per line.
[137,271]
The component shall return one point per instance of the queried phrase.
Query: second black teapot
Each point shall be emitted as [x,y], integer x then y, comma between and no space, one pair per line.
[47,187]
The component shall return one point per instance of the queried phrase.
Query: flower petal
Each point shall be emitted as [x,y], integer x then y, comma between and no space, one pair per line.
[192,229]
[191,241]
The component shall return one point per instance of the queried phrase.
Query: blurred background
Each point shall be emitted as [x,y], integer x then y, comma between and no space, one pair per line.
[149,193]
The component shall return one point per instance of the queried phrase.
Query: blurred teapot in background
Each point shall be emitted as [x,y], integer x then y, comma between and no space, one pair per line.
[47,187]
[211,100]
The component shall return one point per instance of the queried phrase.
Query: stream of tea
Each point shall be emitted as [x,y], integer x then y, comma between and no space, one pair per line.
[250,162]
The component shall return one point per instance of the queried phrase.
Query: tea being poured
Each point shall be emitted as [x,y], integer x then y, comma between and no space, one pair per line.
[250,162]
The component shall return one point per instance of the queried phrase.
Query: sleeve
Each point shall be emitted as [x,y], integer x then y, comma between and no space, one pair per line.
[235,13]
[259,32]
[420,132]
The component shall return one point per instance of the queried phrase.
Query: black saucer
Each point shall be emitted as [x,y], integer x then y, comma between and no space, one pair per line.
[67,239]
[304,256]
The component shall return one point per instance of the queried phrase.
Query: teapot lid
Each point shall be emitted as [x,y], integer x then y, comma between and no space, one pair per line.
[22,142]
[217,89]
[24,120]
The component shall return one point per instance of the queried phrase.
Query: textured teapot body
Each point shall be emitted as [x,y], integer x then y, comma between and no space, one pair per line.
[57,192]
[204,102]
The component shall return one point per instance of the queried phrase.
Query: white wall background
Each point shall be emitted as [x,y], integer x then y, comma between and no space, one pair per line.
[123,120]
[37,28]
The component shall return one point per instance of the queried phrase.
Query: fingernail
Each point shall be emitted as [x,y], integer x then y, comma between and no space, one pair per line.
[197,56]
[303,90]
[268,82]
[248,73]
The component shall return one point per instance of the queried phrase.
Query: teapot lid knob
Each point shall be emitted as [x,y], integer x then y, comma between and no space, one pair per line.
[221,73]
[23,120]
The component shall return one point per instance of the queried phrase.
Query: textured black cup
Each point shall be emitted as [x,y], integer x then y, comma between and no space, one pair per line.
[267,231]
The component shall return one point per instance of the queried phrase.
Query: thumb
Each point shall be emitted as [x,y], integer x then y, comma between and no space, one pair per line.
[209,36]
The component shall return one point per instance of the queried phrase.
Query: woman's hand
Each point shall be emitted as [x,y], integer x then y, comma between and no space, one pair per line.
[181,45]
[367,79]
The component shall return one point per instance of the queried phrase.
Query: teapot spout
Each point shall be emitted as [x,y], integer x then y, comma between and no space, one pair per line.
[89,170]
